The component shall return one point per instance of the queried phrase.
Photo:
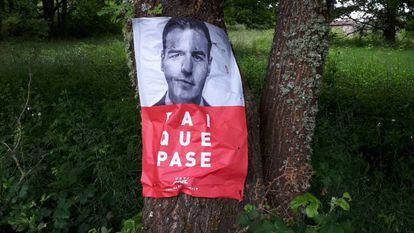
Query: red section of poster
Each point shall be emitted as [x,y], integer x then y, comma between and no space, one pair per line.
[200,151]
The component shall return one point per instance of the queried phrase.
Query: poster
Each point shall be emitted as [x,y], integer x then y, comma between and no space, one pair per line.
[194,133]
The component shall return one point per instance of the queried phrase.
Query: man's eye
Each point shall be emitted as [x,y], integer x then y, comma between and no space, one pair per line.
[174,55]
[198,57]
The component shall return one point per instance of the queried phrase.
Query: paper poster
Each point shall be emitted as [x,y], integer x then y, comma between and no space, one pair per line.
[194,132]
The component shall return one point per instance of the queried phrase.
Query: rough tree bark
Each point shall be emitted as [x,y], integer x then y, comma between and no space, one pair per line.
[288,112]
[185,213]
[289,100]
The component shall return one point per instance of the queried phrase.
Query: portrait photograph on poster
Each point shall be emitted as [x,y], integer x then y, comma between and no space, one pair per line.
[185,61]
[192,109]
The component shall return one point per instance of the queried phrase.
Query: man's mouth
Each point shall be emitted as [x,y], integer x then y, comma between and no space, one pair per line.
[185,81]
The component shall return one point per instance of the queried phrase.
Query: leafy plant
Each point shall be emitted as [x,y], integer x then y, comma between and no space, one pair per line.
[311,218]
[131,225]
[118,12]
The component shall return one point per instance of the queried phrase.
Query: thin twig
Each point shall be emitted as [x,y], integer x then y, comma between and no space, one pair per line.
[8,147]
[13,152]
[29,84]
[16,161]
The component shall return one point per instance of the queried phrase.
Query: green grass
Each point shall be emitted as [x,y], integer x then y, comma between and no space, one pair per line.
[364,138]
[81,132]
[252,48]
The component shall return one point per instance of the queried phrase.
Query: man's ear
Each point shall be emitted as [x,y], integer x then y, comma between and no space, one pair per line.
[162,60]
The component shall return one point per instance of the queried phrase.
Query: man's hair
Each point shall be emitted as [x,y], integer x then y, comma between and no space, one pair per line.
[186,23]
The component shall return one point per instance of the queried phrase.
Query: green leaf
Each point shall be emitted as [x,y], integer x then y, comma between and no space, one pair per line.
[347,196]
[313,206]
[249,208]
[311,198]
[343,204]
[128,226]
[312,210]
[298,202]
[41,226]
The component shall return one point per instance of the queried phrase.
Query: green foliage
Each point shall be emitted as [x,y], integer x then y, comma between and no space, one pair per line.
[85,19]
[364,135]
[78,18]
[78,138]
[21,18]
[157,10]
[378,15]
[252,14]
[118,12]
[404,40]
[131,225]
[311,218]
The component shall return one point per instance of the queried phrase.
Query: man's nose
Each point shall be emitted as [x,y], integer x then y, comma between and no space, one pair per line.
[187,65]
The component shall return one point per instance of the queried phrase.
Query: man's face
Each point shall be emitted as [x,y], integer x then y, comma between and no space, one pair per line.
[186,64]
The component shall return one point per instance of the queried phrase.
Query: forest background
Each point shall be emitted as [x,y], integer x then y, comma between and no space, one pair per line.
[70,130]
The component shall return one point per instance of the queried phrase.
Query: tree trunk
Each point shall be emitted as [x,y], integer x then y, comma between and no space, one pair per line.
[64,15]
[48,7]
[289,99]
[390,22]
[185,213]
[61,9]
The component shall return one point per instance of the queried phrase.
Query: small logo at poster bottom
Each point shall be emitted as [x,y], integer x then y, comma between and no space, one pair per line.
[181,180]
